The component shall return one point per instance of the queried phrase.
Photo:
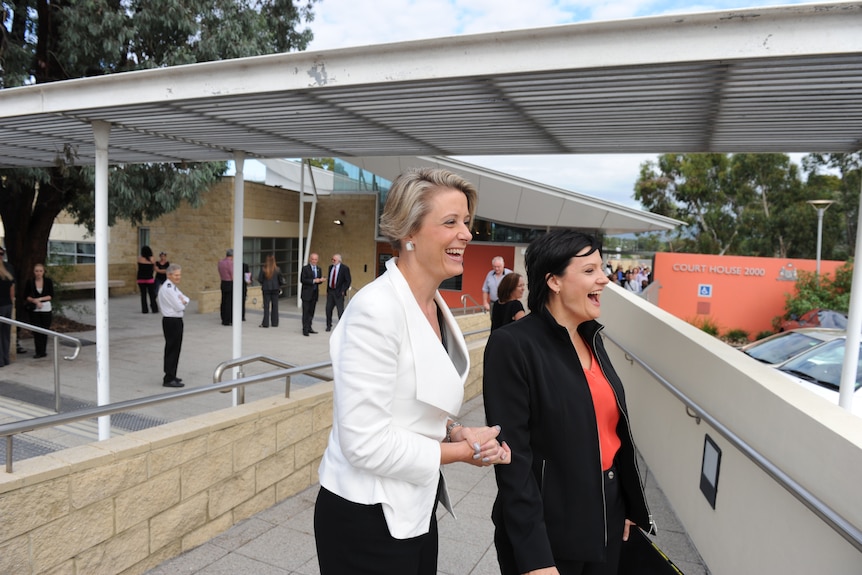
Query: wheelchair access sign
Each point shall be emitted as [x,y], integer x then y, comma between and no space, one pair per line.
[704,290]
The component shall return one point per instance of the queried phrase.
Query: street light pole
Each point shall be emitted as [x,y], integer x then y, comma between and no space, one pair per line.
[821,206]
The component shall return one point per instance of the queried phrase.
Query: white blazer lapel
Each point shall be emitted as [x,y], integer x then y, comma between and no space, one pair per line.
[435,369]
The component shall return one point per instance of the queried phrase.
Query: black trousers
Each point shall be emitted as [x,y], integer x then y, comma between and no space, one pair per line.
[334,300]
[308,307]
[270,309]
[172,327]
[41,319]
[353,539]
[226,302]
[149,291]
[616,517]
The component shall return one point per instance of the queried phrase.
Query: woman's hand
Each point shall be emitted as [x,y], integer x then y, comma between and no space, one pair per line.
[483,441]
[627,528]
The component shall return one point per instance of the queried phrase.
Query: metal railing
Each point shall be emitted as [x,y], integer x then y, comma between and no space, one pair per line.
[476,304]
[258,358]
[10,430]
[57,337]
[831,517]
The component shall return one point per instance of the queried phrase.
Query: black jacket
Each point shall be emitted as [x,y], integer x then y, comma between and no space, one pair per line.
[550,499]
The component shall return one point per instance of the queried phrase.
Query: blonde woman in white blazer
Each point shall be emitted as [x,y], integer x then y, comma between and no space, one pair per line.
[399,364]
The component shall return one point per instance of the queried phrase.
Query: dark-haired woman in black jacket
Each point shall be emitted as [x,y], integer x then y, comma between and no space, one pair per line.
[572,491]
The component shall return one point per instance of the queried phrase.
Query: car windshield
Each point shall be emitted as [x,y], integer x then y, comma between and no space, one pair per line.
[823,364]
[779,349]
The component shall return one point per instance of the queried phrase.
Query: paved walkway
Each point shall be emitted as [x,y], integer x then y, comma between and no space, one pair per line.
[278,541]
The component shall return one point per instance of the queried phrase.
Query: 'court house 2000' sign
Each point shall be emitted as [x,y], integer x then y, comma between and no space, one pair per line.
[736,292]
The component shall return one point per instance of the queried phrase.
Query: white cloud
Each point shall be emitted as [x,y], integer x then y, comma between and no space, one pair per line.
[609,177]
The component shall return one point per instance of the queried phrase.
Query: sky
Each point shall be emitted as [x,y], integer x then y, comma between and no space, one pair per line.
[344,23]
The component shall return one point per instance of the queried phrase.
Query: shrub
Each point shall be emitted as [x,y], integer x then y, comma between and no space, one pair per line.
[706,324]
[827,293]
[736,336]
[763,334]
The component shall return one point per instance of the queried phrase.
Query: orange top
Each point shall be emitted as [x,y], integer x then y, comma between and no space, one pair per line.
[607,413]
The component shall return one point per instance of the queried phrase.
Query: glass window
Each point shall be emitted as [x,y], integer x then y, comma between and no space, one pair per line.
[286,252]
[71,253]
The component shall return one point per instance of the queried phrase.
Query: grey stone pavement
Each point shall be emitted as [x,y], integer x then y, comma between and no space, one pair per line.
[279,540]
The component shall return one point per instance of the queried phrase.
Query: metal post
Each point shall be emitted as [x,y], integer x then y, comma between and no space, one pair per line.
[238,278]
[56,374]
[101,135]
[854,326]
[820,206]
[819,237]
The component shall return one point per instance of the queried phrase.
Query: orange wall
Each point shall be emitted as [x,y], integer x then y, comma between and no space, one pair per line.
[746,292]
[477,263]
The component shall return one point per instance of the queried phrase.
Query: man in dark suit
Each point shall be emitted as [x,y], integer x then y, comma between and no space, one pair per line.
[337,284]
[310,277]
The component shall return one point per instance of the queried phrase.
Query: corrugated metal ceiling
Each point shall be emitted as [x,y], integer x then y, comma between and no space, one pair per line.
[783,79]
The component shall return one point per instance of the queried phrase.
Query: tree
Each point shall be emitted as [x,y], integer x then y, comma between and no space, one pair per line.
[743,204]
[837,177]
[51,40]
[694,188]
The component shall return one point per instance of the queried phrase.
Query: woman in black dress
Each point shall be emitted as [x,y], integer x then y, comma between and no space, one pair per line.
[508,307]
[146,281]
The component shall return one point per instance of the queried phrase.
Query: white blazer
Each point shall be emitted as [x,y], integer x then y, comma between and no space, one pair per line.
[395,387]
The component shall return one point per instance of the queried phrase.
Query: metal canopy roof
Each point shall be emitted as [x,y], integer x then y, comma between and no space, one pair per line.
[524,203]
[783,79]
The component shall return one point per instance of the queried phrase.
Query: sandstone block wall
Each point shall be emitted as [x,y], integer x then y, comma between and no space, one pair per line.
[127,504]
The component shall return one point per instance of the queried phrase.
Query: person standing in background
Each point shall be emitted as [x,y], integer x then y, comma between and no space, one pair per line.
[7,301]
[270,280]
[492,282]
[40,294]
[173,305]
[246,281]
[509,307]
[161,270]
[225,273]
[20,350]
[310,278]
[337,284]
[146,281]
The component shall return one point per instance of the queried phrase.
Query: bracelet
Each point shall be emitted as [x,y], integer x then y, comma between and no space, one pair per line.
[449,429]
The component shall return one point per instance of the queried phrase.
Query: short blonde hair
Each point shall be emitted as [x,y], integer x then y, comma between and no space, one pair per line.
[409,202]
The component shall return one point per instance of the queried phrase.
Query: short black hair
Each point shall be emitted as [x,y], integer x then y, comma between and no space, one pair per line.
[550,254]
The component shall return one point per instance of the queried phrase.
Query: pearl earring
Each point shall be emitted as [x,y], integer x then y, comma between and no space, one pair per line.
[408,246]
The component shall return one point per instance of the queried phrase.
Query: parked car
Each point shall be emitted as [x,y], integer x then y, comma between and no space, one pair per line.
[819,369]
[816,318]
[780,347]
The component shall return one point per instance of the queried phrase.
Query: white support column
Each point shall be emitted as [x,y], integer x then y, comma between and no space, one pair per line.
[301,249]
[238,279]
[101,135]
[854,327]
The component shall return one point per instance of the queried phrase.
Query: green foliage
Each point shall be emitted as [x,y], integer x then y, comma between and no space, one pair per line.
[706,324]
[51,40]
[826,292]
[754,204]
[762,334]
[736,336]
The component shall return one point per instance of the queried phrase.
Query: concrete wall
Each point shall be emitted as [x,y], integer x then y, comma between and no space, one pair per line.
[757,525]
[127,504]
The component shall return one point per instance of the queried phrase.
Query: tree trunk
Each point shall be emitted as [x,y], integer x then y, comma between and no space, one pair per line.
[28,214]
